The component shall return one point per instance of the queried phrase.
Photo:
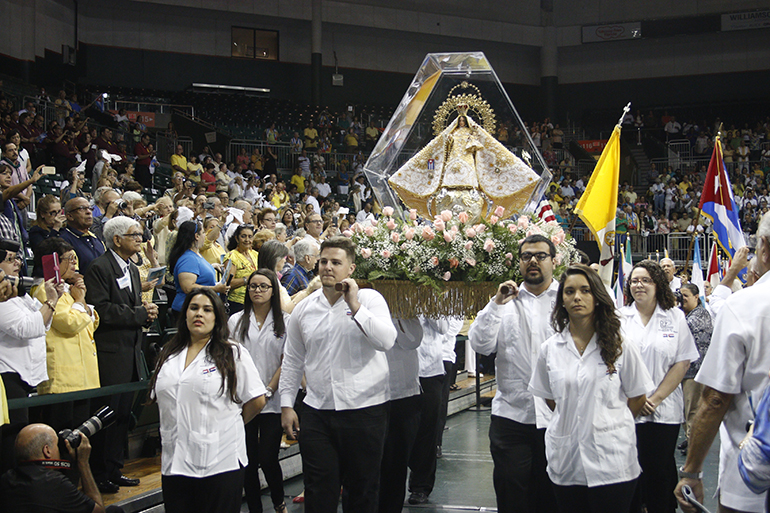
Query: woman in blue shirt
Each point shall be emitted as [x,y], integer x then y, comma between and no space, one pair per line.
[189,268]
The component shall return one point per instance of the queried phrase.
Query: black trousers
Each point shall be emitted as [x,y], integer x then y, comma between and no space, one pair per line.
[15,388]
[403,424]
[520,480]
[220,493]
[449,380]
[108,445]
[613,498]
[342,449]
[263,443]
[143,176]
[656,444]
[422,462]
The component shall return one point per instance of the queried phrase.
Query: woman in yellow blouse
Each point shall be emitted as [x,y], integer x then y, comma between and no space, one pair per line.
[70,350]
[244,260]
[212,251]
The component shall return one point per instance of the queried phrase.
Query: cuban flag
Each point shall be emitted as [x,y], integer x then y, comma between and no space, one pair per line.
[718,204]
[697,272]
[714,271]
[99,103]
[545,212]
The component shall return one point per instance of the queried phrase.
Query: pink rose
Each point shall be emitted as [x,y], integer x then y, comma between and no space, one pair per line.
[447,275]
[463,217]
[470,261]
[489,245]
[374,222]
[470,233]
[387,211]
[558,237]
[347,233]
[512,228]
[449,236]
[413,214]
[434,260]
[499,211]
[523,222]
[409,234]
[439,225]
[428,234]
[391,224]
[509,255]
[385,253]
[356,227]
[395,237]
[403,247]
[454,229]
[369,231]
[557,259]
[446,215]
[493,219]
[555,240]
[469,245]
[366,252]
[480,228]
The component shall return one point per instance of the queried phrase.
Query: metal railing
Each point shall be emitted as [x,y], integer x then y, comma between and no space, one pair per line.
[140,106]
[166,146]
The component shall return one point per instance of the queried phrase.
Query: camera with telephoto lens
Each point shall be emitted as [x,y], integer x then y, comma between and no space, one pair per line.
[679,299]
[104,417]
[22,282]
[122,204]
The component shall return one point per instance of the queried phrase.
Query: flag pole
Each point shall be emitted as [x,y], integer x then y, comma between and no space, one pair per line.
[696,222]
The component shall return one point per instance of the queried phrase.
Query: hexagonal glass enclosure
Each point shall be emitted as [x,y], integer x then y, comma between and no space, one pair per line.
[441,151]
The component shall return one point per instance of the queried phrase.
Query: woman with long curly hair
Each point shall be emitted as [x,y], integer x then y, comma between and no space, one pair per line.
[261,328]
[594,380]
[207,389]
[660,331]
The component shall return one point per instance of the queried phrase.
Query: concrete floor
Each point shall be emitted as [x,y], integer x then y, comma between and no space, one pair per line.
[464,474]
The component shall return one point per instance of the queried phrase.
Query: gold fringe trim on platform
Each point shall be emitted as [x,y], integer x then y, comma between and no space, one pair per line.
[458,298]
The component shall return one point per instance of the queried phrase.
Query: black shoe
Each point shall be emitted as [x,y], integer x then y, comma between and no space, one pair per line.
[107,487]
[418,498]
[438,452]
[682,446]
[125,481]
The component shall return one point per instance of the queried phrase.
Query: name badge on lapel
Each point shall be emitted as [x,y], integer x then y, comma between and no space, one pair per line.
[124,282]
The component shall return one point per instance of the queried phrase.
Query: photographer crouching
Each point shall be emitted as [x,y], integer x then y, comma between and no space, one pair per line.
[37,485]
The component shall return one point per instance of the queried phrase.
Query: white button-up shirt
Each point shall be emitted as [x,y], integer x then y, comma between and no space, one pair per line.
[450,340]
[22,339]
[201,429]
[431,351]
[665,340]
[591,440]
[342,355]
[265,349]
[402,359]
[516,330]
[737,363]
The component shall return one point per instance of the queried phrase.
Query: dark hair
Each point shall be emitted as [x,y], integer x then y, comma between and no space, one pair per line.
[185,239]
[270,252]
[219,349]
[279,328]
[340,242]
[663,295]
[262,213]
[693,288]
[606,320]
[232,242]
[534,239]
[49,246]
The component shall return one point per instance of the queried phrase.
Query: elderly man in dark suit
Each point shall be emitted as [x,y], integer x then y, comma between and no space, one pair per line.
[114,288]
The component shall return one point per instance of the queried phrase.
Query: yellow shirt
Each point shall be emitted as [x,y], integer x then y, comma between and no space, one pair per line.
[70,349]
[280,199]
[311,133]
[179,160]
[4,419]
[243,269]
[299,181]
[212,252]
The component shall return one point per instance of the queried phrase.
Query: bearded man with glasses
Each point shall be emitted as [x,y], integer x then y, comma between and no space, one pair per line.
[514,324]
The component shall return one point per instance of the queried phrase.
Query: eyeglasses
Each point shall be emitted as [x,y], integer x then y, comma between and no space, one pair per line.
[16,258]
[52,212]
[135,236]
[72,258]
[79,209]
[643,281]
[316,221]
[526,257]
[262,287]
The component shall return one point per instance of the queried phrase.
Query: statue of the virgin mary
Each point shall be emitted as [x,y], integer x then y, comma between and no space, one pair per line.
[464,168]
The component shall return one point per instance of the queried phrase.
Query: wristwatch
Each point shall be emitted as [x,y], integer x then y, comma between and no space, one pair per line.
[269,392]
[689,475]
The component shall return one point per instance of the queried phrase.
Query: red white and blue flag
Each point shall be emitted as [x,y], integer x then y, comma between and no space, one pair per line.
[714,271]
[718,204]
[545,212]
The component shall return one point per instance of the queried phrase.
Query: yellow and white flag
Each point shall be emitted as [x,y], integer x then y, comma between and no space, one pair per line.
[598,204]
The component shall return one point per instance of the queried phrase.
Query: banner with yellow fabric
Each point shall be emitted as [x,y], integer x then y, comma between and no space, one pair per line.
[598,204]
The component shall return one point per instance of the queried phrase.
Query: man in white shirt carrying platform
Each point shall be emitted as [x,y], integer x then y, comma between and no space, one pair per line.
[515,326]
[338,340]
[734,372]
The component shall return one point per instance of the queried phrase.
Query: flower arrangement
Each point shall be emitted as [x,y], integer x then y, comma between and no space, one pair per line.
[451,249]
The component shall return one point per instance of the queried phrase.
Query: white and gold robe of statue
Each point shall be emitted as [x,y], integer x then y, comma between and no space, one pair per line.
[465,158]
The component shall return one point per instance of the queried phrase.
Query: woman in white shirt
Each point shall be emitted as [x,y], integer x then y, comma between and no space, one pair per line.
[207,389]
[261,328]
[595,382]
[660,331]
